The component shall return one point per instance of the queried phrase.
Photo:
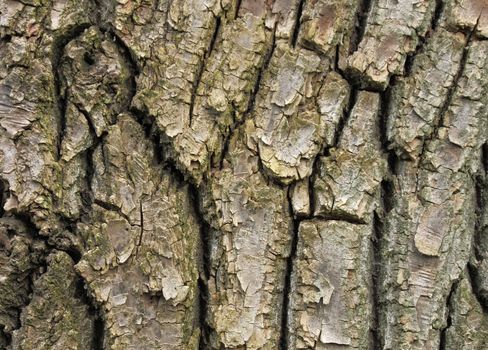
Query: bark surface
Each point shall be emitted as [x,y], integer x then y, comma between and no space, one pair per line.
[244,174]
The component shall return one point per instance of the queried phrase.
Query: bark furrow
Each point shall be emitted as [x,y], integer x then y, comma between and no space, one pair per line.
[243,174]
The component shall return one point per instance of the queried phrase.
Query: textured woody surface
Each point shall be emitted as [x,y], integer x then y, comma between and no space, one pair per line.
[243,174]
[331,286]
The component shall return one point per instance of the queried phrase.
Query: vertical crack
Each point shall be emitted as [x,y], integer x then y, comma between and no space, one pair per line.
[379,216]
[449,305]
[204,273]
[453,88]
[238,7]
[141,229]
[477,266]
[376,243]
[98,333]
[3,195]
[252,98]
[438,11]
[342,122]
[361,21]
[296,27]
[262,69]
[422,41]
[94,311]
[285,331]
[378,273]
[59,98]
[201,68]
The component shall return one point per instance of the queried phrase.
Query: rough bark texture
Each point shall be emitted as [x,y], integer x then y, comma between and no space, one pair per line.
[244,174]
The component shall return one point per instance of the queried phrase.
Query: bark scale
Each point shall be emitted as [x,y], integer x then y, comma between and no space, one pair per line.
[202,174]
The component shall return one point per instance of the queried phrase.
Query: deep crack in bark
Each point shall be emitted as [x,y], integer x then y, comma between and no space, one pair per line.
[201,68]
[57,52]
[361,21]
[296,27]
[449,301]
[284,336]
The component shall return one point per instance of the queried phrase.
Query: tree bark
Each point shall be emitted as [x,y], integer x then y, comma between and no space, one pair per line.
[244,174]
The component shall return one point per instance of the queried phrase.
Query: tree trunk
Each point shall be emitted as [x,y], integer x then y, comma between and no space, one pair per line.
[282,174]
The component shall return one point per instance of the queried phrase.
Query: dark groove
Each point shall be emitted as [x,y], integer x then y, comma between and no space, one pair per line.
[141,229]
[252,98]
[3,195]
[81,293]
[423,41]
[453,88]
[227,138]
[151,131]
[203,295]
[201,68]
[438,11]
[130,59]
[484,157]
[376,279]
[479,254]
[336,58]
[142,223]
[449,303]
[285,331]
[113,208]
[262,69]
[346,115]
[238,7]
[296,27]
[311,180]
[204,273]
[385,106]
[89,120]
[480,185]
[57,52]
[98,333]
[385,98]
[361,21]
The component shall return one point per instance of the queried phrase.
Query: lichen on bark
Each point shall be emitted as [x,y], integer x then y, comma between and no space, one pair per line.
[243,174]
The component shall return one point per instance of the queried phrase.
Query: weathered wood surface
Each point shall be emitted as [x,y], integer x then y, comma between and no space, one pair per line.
[244,174]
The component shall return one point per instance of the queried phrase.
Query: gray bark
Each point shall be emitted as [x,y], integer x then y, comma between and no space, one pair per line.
[243,174]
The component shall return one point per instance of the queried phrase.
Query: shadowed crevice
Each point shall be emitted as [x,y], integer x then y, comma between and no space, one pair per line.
[346,115]
[201,68]
[287,290]
[20,225]
[3,195]
[376,280]
[424,40]
[296,26]
[59,97]
[204,268]
[238,7]
[476,267]
[85,297]
[453,88]
[449,306]
[360,25]
[252,99]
